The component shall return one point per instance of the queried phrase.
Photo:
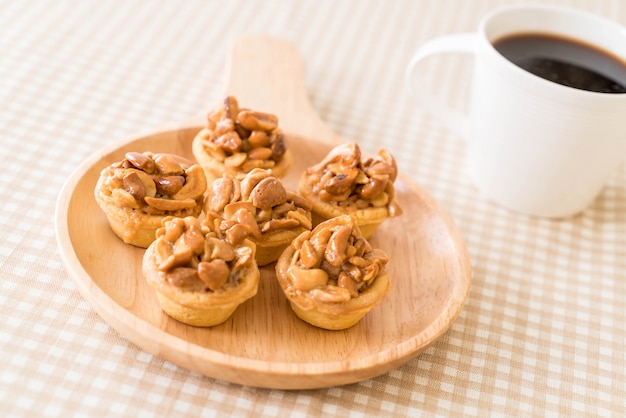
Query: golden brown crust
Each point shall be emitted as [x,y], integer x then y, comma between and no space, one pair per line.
[331,276]
[368,218]
[132,227]
[344,183]
[236,140]
[183,266]
[258,205]
[139,191]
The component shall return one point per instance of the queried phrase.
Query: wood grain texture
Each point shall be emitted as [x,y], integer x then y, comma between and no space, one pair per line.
[264,344]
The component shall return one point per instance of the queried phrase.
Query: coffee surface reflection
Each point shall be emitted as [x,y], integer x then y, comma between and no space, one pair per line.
[565,61]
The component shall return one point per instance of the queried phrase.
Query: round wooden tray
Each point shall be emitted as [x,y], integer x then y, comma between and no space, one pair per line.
[264,344]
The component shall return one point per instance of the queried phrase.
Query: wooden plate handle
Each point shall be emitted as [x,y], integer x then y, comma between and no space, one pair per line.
[267,74]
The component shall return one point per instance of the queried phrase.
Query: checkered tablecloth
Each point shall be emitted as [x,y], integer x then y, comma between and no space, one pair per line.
[544,328]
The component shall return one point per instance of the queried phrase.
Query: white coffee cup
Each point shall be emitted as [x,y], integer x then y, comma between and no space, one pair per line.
[534,146]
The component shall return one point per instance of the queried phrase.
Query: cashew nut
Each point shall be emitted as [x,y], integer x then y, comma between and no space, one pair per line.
[169,204]
[268,193]
[213,273]
[306,279]
[195,184]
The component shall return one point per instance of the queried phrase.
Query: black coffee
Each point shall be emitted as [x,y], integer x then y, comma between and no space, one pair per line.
[565,61]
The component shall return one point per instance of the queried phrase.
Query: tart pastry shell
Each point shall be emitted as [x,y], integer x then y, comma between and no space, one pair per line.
[201,309]
[213,168]
[330,315]
[132,225]
[368,219]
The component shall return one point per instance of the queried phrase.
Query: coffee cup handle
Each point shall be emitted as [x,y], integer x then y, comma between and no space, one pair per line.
[454,119]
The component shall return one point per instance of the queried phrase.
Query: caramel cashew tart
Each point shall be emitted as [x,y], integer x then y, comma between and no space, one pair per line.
[332,276]
[345,183]
[200,275]
[236,140]
[258,206]
[139,191]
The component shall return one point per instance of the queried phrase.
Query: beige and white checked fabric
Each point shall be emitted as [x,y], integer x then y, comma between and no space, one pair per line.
[543,332]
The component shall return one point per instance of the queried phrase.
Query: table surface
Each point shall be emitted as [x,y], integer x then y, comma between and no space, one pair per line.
[542,331]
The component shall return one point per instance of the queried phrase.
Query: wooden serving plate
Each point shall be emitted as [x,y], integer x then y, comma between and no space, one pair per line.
[264,344]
